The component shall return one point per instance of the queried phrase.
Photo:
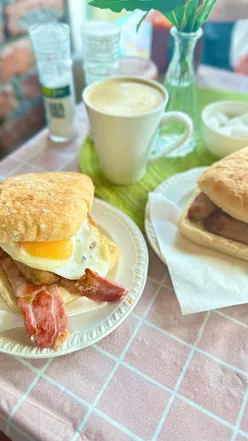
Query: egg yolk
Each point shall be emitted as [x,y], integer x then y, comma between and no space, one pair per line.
[59,250]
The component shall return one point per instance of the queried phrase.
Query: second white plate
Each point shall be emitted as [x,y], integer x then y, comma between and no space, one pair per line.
[178,190]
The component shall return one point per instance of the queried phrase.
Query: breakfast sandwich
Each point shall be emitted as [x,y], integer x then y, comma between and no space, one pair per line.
[217,216]
[51,251]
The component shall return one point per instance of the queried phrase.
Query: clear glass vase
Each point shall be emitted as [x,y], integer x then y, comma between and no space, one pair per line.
[180,83]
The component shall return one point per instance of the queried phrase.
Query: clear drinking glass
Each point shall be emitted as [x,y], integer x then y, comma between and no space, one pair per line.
[100,50]
[51,43]
[180,82]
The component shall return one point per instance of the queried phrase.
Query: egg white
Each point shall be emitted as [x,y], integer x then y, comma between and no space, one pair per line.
[88,252]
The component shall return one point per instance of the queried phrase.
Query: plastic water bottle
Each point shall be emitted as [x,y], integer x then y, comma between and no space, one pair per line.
[51,44]
[100,50]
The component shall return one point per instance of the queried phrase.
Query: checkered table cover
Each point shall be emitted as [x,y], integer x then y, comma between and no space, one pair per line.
[159,376]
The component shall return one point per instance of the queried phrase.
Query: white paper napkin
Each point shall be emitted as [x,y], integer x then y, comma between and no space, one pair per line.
[203,279]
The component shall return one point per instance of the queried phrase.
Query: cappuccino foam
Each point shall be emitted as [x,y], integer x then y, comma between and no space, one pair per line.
[124,97]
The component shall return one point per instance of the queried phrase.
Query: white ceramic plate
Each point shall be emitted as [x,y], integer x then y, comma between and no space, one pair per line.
[92,326]
[178,190]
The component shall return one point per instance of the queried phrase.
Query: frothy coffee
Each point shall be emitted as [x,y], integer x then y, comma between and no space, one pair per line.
[124,97]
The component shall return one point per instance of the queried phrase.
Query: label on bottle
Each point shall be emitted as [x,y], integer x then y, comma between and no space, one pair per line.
[59,103]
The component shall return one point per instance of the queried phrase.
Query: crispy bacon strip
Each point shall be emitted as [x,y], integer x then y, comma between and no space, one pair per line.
[48,312]
[43,310]
[96,288]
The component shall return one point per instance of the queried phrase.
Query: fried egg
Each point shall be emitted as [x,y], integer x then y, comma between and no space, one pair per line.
[67,258]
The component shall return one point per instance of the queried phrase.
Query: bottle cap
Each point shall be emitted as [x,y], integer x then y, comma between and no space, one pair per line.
[100,37]
[51,38]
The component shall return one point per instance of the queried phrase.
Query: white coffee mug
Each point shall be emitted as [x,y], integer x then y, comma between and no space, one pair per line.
[125,143]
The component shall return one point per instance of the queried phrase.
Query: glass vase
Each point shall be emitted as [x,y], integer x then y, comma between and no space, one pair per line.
[180,83]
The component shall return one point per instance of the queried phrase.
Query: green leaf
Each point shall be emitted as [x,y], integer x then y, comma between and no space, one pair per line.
[131,5]
[191,16]
[190,25]
[189,8]
[204,11]
[183,16]
[175,17]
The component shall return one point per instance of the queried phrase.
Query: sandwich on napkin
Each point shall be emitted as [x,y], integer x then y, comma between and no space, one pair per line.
[217,216]
[51,252]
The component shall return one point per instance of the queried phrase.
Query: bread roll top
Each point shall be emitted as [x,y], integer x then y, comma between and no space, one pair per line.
[44,207]
[226,184]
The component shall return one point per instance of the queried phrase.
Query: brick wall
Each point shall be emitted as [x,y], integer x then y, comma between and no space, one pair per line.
[21,106]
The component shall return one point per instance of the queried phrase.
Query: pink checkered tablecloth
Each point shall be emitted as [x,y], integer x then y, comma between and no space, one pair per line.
[159,376]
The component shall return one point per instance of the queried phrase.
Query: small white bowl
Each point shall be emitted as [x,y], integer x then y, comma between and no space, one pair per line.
[218,144]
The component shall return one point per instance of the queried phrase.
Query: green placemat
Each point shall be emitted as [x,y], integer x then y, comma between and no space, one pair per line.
[132,199]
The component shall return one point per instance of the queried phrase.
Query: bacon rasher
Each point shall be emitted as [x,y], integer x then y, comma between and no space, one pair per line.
[96,288]
[44,313]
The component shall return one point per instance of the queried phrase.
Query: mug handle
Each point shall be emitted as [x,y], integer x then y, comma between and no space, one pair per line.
[174,116]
